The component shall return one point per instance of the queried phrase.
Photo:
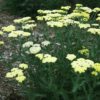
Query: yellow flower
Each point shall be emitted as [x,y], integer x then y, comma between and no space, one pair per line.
[94,73]
[97,67]
[39,18]
[46,58]
[18,33]
[70,57]
[29,26]
[49,59]
[25,34]
[9,28]
[40,56]
[15,33]
[20,79]
[23,66]
[45,43]
[53,24]
[98,18]
[27,44]
[94,31]
[1,43]
[35,49]
[84,51]
[96,9]
[9,75]
[22,20]
[79,5]
[86,9]
[1,33]
[65,7]
[81,65]
[84,26]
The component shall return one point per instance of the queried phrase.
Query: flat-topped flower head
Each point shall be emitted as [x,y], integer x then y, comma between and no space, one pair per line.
[26,34]
[27,44]
[65,7]
[23,66]
[35,49]
[1,33]
[46,58]
[94,73]
[97,67]
[22,20]
[40,56]
[45,43]
[49,59]
[20,79]
[70,57]
[28,26]
[1,43]
[9,75]
[83,26]
[97,9]
[17,33]
[81,65]
[94,31]
[9,28]
[79,5]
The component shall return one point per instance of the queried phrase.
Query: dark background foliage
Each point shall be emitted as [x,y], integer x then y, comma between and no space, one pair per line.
[30,7]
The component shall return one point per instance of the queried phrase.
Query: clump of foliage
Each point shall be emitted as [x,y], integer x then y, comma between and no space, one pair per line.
[30,7]
[59,62]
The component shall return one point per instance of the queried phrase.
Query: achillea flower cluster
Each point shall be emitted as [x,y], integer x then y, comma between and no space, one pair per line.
[46,58]
[81,65]
[27,44]
[1,43]
[17,33]
[94,31]
[70,57]
[17,73]
[35,49]
[9,28]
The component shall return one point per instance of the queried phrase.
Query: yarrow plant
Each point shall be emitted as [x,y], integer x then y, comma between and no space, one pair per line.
[57,58]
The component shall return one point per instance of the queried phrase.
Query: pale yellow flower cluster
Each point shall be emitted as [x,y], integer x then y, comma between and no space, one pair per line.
[84,51]
[94,31]
[9,28]
[36,48]
[1,33]
[45,43]
[98,18]
[18,73]
[57,19]
[1,43]
[27,44]
[18,33]
[66,8]
[46,58]
[81,65]
[83,26]
[52,11]
[22,20]
[96,68]
[26,22]
[70,57]
[28,26]
[97,9]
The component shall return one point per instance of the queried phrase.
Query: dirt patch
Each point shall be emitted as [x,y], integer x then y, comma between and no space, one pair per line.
[7,90]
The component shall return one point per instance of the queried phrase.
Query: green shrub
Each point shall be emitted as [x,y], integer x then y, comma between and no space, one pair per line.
[30,7]
[91,3]
[58,60]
